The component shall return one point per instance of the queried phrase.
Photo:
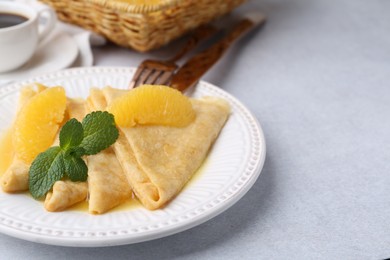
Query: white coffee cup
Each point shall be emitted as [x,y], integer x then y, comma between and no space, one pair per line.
[18,42]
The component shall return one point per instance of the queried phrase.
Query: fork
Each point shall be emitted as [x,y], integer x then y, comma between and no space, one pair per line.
[191,71]
[158,72]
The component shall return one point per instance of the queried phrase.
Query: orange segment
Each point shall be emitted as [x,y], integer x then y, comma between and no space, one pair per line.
[37,123]
[152,105]
[6,150]
[6,139]
[27,92]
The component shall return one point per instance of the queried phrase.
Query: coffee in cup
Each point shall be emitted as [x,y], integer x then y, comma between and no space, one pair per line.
[20,32]
[10,19]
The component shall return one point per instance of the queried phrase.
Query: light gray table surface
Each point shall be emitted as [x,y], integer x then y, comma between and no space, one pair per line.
[317,77]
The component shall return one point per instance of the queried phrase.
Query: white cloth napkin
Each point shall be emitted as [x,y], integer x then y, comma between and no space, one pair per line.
[83,38]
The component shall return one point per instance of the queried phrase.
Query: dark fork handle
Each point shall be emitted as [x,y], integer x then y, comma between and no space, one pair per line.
[189,74]
[199,35]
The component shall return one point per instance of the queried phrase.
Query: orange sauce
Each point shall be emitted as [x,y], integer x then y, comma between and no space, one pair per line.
[130,204]
[198,174]
[134,203]
[6,150]
[81,206]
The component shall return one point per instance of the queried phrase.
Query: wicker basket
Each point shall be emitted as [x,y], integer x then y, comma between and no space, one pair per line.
[141,24]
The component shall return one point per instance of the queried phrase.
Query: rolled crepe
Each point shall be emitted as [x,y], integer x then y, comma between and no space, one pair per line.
[159,160]
[15,178]
[65,194]
[76,108]
[107,183]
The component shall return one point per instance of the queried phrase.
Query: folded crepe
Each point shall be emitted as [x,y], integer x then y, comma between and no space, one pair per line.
[159,160]
[15,178]
[107,183]
[65,194]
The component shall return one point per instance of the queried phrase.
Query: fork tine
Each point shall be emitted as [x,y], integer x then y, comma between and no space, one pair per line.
[135,78]
[164,78]
[143,77]
[152,78]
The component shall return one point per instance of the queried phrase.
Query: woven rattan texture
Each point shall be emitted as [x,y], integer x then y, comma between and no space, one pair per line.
[137,26]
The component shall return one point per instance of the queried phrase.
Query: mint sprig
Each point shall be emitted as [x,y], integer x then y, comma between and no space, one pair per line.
[96,133]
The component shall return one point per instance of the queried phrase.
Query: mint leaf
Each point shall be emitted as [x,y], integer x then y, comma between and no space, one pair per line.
[47,168]
[99,132]
[76,169]
[71,134]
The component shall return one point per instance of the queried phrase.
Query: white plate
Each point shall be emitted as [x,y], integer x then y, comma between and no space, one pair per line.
[57,51]
[231,168]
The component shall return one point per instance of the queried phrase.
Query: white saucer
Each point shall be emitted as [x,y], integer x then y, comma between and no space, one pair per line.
[56,52]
